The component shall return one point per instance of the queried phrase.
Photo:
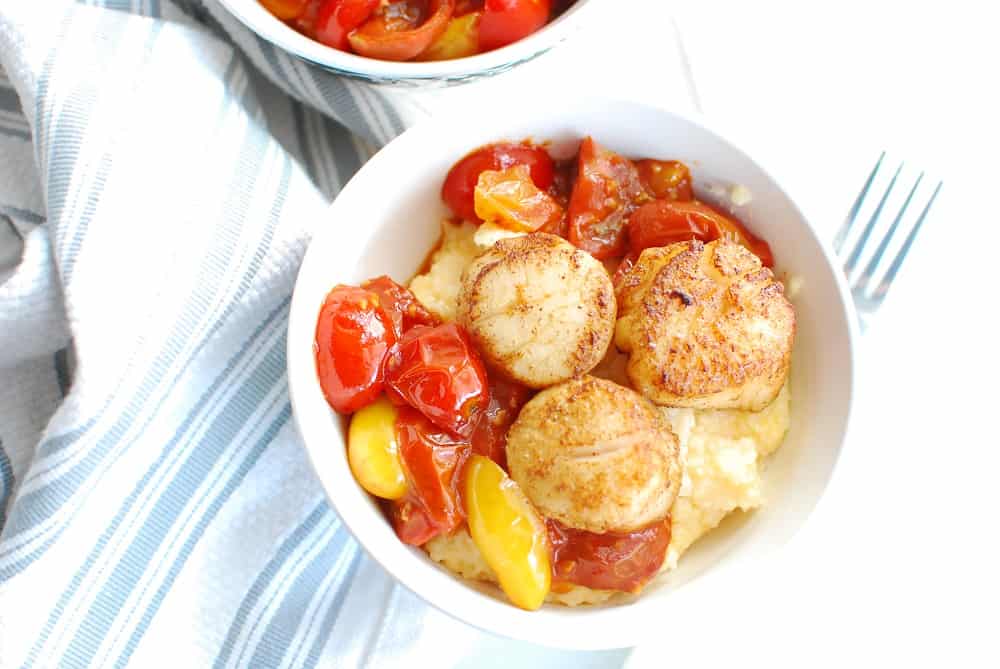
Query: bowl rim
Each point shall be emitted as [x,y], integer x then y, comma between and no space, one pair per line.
[277,33]
[624,627]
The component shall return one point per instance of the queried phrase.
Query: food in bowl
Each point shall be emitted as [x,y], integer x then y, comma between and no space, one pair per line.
[425,30]
[490,412]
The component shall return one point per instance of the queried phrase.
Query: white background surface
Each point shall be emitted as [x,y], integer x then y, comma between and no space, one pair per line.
[899,563]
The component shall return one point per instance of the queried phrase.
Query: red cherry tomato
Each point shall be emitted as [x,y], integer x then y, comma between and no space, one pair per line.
[400,305]
[432,459]
[606,191]
[506,21]
[286,10]
[490,436]
[609,561]
[666,179]
[458,190]
[664,222]
[337,18]
[353,335]
[401,29]
[437,371]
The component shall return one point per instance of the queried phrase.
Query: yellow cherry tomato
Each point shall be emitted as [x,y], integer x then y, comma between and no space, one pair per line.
[373,451]
[459,39]
[511,199]
[508,532]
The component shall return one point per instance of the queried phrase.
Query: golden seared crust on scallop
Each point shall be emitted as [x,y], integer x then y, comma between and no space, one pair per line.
[539,310]
[705,326]
[595,456]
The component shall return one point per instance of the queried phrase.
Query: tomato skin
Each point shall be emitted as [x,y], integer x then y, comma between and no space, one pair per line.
[337,18]
[664,222]
[458,190]
[609,561]
[506,21]
[433,460]
[400,305]
[353,335]
[438,371]
[606,191]
[490,435]
[666,179]
[393,34]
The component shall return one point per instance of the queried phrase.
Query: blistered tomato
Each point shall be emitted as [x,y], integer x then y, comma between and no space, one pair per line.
[510,199]
[508,532]
[609,561]
[400,305]
[506,21]
[432,459]
[458,190]
[373,450]
[438,371]
[402,29]
[337,18]
[490,435]
[606,190]
[664,222]
[666,179]
[353,335]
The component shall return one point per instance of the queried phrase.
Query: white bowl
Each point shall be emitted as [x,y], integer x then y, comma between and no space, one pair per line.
[252,14]
[385,221]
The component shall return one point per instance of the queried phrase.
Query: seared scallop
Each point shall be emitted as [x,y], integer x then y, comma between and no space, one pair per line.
[705,326]
[595,456]
[539,310]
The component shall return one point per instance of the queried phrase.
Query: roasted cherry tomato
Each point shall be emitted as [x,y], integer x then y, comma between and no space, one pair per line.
[458,191]
[373,450]
[459,39]
[606,191]
[609,561]
[402,29]
[286,10]
[353,335]
[432,459]
[664,222]
[337,18]
[438,371]
[506,21]
[510,199]
[490,436]
[400,305]
[666,179]
[508,532]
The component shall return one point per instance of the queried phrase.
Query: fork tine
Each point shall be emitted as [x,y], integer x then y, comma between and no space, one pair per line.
[862,283]
[845,228]
[890,275]
[859,246]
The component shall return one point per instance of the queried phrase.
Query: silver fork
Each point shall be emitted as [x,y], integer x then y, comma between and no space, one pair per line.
[868,293]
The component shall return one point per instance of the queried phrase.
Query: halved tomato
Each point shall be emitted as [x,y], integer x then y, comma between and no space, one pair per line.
[400,305]
[402,29]
[666,179]
[606,191]
[458,190]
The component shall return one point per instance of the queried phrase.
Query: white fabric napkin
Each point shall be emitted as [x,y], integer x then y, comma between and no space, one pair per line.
[156,196]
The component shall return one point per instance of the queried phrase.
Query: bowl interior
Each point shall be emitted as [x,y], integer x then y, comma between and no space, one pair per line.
[386,220]
[252,14]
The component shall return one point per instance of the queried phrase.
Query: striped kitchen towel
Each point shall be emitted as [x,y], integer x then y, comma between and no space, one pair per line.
[158,187]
